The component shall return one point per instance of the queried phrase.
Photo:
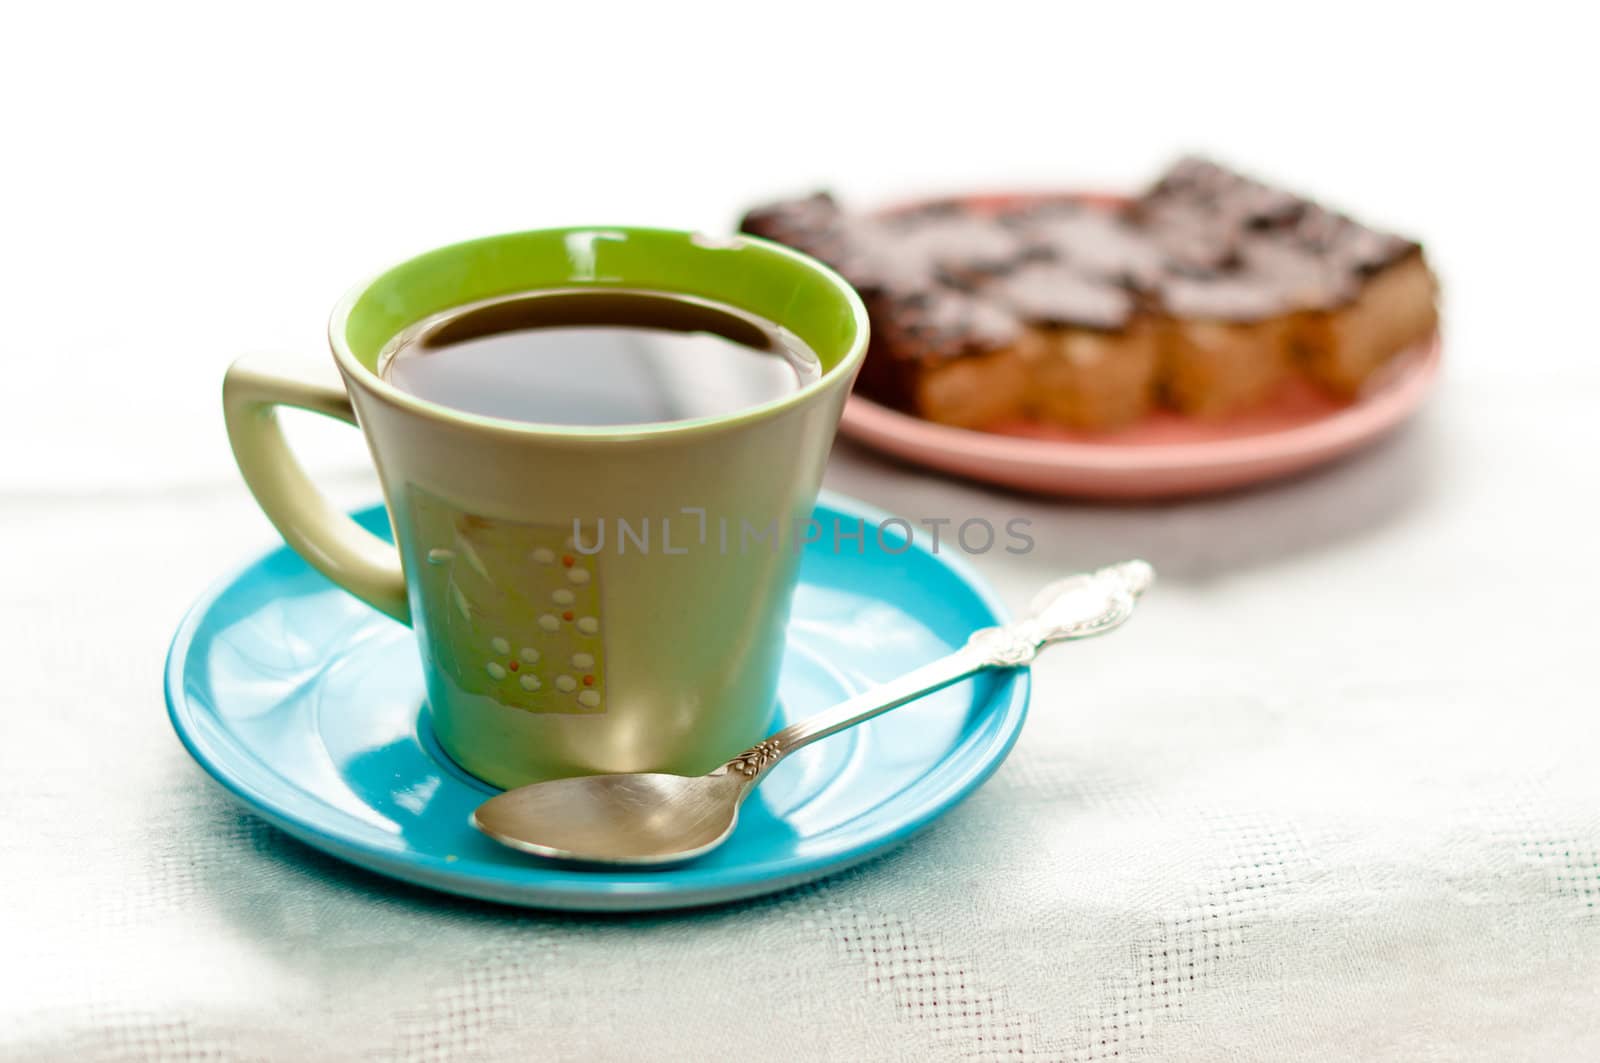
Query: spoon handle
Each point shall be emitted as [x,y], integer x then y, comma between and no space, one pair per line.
[1077,607]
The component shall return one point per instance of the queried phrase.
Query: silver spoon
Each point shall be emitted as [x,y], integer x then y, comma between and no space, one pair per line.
[646,818]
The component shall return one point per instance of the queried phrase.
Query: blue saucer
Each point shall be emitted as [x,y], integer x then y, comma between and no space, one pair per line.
[307,706]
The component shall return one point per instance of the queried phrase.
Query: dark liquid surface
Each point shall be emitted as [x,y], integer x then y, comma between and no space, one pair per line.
[597,357]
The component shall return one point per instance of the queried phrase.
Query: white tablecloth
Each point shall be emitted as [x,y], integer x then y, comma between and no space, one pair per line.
[1332,791]
[1332,794]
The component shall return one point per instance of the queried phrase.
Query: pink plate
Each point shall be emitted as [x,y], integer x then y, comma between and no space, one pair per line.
[1165,455]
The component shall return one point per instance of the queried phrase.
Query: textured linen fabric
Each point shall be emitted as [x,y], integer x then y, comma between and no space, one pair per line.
[1331,794]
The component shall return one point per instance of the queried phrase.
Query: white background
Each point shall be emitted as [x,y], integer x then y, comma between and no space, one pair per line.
[186,184]
[1343,759]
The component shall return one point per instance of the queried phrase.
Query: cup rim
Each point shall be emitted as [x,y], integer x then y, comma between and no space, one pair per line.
[354,369]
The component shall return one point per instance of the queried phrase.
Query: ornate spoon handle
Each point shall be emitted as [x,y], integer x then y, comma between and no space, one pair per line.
[1077,607]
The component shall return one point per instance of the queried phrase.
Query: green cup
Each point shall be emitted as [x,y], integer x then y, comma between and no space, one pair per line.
[545,654]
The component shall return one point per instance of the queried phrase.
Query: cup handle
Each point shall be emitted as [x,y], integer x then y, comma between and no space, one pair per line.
[338,547]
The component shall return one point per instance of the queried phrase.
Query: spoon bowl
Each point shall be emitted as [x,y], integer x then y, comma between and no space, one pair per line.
[647,818]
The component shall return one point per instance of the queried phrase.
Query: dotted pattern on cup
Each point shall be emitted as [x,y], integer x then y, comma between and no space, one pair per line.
[514,607]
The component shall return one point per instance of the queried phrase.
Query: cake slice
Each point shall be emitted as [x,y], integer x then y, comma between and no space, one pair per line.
[1392,303]
[1349,298]
[1225,343]
[947,356]
[1092,357]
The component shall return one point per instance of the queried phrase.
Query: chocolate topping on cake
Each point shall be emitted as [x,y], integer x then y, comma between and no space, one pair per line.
[1240,200]
[871,257]
[815,224]
[1235,298]
[945,324]
[1239,205]
[933,209]
[813,214]
[1347,244]
[962,248]
[1190,238]
[1304,281]
[1057,295]
[1096,242]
